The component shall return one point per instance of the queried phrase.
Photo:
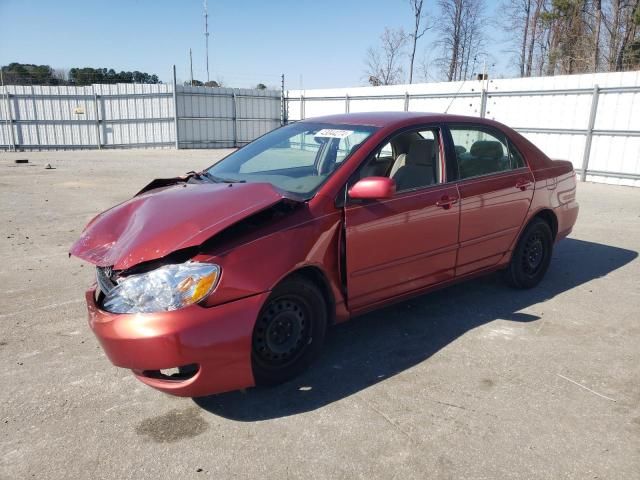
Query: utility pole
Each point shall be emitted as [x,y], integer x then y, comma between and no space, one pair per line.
[283,102]
[484,74]
[191,65]
[206,35]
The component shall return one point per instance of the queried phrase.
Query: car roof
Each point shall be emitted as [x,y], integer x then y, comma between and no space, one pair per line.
[389,119]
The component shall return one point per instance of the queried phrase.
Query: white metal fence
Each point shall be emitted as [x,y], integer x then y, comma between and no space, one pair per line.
[127,115]
[592,120]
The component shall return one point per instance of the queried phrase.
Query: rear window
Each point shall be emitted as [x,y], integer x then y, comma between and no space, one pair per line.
[482,151]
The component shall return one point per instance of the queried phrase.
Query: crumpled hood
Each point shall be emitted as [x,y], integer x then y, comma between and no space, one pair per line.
[154,224]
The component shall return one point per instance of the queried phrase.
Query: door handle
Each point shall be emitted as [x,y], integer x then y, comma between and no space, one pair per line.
[446,202]
[523,184]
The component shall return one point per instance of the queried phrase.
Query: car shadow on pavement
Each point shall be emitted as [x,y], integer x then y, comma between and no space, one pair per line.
[376,346]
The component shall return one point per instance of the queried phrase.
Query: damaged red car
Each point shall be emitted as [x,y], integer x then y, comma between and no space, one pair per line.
[229,277]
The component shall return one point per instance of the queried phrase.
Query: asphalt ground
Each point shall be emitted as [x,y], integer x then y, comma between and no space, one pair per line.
[475,381]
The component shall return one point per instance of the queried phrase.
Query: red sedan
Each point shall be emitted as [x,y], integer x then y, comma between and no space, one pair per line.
[229,277]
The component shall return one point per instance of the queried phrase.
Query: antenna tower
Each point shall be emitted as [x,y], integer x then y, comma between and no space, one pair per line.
[206,35]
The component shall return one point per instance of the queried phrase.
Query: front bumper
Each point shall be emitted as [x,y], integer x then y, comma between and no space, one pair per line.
[217,339]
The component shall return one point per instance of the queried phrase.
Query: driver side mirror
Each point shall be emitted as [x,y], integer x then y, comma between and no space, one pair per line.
[373,188]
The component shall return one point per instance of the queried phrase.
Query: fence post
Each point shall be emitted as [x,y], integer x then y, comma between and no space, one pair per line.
[346,103]
[406,101]
[587,141]
[97,114]
[234,111]
[483,102]
[283,101]
[12,145]
[175,108]
[35,115]
[301,107]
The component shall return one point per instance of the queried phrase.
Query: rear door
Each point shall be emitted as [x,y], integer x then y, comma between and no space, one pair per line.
[496,189]
[408,242]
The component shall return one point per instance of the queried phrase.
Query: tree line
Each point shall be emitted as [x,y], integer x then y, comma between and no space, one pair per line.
[217,84]
[29,74]
[546,37]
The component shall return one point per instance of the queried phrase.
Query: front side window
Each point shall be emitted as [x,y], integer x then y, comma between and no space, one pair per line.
[296,158]
[481,151]
[411,158]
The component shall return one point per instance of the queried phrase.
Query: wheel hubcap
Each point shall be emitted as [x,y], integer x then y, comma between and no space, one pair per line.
[282,331]
[533,254]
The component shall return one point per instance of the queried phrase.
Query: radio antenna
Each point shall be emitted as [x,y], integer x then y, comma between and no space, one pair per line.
[455,95]
[206,35]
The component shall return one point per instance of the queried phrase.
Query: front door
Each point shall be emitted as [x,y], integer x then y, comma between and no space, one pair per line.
[405,243]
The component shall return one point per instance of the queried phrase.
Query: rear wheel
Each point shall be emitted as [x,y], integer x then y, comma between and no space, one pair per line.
[532,255]
[289,331]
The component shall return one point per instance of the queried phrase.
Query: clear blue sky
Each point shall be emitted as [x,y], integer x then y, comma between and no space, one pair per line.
[251,41]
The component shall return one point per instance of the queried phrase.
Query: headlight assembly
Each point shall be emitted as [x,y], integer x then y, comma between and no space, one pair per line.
[166,288]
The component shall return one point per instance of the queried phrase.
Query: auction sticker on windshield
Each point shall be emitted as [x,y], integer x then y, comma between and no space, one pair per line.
[333,133]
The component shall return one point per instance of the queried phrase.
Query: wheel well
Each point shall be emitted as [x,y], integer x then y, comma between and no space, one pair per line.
[551,219]
[317,276]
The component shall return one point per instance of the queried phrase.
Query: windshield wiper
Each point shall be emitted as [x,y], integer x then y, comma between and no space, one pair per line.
[231,180]
[222,180]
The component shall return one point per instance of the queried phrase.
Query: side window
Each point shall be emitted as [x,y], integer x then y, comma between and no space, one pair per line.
[411,158]
[481,152]
[386,151]
[514,156]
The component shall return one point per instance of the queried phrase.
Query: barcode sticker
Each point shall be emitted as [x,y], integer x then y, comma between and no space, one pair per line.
[333,133]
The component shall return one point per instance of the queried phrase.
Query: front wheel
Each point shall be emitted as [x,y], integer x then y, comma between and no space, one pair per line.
[289,331]
[532,255]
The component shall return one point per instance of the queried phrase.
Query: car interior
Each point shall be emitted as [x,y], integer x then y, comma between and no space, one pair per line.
[412,159]
[481,153]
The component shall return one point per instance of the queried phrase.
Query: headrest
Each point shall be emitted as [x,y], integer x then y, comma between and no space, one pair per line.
[420,153]
[487,149]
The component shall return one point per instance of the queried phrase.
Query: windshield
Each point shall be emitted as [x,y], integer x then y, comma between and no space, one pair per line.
[296,158]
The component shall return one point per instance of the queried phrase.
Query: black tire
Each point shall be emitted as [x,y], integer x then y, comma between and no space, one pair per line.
[289,331]
[532,255]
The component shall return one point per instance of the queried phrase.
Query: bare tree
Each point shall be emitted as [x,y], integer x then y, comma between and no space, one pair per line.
[473,42]
[521,18]
[597,6]
[419,29]
[516,19]
[613,23]
[462,38]
[383,65]
[548,37]
[622,22]
[424,66]
[450,26]
[632,24]
[525,18]
[536,35]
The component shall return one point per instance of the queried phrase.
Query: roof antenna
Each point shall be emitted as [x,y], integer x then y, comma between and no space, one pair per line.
[455,95]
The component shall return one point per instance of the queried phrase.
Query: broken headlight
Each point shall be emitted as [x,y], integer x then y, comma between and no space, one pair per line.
[169,287]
